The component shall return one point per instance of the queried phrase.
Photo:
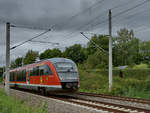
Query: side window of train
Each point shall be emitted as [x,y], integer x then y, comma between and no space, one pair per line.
[31,72]
[12,76]
[24,75]
[45,70]
[34,71]
[41,69]
[37,70]
[21,75]
[18,75]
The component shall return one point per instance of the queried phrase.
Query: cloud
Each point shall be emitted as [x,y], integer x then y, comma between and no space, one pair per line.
[46,13]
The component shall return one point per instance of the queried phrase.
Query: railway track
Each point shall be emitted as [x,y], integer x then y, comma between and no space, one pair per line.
[143,101]
[106,107]
[125,101]
[94,105]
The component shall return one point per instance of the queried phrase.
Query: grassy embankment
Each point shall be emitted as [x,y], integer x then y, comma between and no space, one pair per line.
[136,83]
[12,105]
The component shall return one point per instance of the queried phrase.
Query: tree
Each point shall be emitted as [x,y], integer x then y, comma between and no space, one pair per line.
[97,60]
[145,51]
[75,53]
[125,48]
[30,57]
[17,63]
[100,40]
[51,53]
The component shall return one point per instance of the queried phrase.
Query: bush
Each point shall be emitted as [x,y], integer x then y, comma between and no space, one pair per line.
[136,83]
[132,73]
[140,66]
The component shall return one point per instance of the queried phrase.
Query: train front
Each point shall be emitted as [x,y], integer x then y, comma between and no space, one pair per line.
[68,74]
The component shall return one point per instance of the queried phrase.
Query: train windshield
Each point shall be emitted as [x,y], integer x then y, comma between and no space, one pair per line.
[65,66]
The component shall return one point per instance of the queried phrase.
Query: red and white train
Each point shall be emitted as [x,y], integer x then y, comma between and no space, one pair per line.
[51,75]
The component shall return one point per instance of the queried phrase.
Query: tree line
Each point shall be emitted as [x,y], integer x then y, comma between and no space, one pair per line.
[127,50]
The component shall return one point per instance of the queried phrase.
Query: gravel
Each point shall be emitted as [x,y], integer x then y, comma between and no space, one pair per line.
[53,105]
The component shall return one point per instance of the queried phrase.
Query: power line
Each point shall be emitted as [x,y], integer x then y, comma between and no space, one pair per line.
[28,27]
[83,11]
[30,39]
[132,16]
[100,48]
[122,12]
[44,42]
[89,22]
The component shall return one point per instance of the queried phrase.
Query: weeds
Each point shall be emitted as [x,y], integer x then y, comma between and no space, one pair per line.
[94,82]
[12,105]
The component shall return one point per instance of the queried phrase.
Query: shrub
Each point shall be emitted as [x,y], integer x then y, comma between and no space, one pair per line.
[140,66]
[136,83]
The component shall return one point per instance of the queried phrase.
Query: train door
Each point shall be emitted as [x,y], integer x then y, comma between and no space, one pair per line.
[27,77]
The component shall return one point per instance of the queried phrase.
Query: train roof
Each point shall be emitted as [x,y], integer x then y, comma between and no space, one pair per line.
[55,60]
[52,60]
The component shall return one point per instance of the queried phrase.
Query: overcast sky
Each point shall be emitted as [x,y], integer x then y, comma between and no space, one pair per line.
[68,18]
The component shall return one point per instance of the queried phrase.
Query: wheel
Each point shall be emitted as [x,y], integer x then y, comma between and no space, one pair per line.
[43,91]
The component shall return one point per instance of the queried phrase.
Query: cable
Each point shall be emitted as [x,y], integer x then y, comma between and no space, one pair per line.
[29,40]
[83,11]
[45,42]
[101,49]
[122,12]
[94,33]
[28,27]
[89,22]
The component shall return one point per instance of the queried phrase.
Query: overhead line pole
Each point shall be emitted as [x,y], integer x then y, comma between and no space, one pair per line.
[7,58]
[110,50]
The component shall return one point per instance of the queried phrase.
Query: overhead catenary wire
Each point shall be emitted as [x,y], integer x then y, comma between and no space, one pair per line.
[44,42]
[122,12]
[28,27]
[105,20]
[30,39]
[130,8]
[85,10]
[74,16]
[100,48]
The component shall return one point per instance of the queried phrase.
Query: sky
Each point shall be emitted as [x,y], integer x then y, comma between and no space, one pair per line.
[66,19]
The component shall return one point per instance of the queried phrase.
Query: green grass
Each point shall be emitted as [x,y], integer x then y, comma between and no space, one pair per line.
[140,66]
[95,82]
[12,105]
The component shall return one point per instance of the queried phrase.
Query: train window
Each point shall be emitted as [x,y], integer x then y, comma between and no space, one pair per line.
[45,70]
[41,71]
[18,75]
[21,75]
[64,65]
[37,70]
[31,72]
[34,71]
[24,75]
[12,76]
